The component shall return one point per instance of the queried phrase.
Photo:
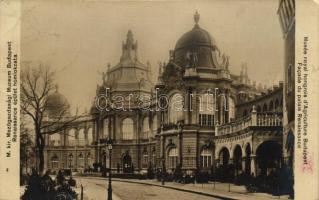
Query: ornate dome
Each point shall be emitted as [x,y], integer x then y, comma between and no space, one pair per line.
[197,36]
[194,48]
[57,105]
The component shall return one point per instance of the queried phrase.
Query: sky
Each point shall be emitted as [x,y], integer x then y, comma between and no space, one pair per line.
[78,39]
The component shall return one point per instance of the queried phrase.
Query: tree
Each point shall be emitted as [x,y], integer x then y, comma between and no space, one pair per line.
[37,83]
[26,149]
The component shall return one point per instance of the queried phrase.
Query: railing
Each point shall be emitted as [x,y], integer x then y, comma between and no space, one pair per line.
[234,126]
[269,119]
[255,119]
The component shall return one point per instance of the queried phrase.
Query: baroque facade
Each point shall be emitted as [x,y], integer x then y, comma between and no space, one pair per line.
[197,116]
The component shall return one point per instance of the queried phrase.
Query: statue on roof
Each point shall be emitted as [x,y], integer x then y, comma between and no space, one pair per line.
[196,17]
[104,75]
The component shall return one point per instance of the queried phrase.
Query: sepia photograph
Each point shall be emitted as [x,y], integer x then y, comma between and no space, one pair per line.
[154,100]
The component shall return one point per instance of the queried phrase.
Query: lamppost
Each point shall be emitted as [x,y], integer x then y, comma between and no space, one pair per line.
[70,163]
[163,173]
[108,143]
[109,146]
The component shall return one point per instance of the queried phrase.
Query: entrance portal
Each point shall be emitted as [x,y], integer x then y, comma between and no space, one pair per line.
[127,164]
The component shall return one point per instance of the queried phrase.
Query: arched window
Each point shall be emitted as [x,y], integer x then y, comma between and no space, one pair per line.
[276,105]
[271,106]
[145,128]
[265,109]
[127,129]
[206,110]
[55,161]
[105,128]
[206,158]
[258,109]
[172,158]
[90,136]
[176,106]
[231,109]
[81,137]
[55,139]
[245,113]
[71,137]
[153,156]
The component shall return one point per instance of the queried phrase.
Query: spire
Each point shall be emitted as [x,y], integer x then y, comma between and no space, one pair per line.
[196,17]
[129,49]
[129,38]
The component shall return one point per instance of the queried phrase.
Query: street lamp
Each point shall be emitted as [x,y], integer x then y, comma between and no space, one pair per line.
[70,163]
[163,166]
[109,146]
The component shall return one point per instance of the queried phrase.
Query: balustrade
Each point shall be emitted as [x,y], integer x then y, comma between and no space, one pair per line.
[255,119]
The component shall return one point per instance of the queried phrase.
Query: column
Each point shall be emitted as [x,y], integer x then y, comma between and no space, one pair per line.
[254,116]
[243,164]
[179,145]
[97,135]
[76,145]
[194,113]
[253,167]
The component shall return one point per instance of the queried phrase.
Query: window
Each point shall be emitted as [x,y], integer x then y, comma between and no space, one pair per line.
[153,157]
[172,158]
[70,160]
[231,109]
[105,128]
[145,158]
[145,128]
[206,110]
[55,139]
[55,161]
[81,137]
[176,106]
[206,120]
[90,136]
[265,109]
[127,129]
[71,137]
[206,158]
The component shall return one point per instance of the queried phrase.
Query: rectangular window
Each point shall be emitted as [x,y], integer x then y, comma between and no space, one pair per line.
[204,120]
[209,118]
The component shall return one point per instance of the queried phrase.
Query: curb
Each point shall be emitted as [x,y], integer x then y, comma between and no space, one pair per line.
[178,189]
[169,187]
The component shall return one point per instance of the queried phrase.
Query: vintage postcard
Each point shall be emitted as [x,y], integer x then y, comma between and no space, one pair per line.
[156,100]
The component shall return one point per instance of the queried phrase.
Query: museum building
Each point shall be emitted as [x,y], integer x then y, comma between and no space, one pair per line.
[209,117]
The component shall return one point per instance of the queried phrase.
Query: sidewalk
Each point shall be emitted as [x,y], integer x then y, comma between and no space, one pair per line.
[220,190]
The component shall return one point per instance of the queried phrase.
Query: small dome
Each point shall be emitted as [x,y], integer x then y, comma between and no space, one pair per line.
[57,104]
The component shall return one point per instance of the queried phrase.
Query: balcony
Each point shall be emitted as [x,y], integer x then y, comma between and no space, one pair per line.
[268,119]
